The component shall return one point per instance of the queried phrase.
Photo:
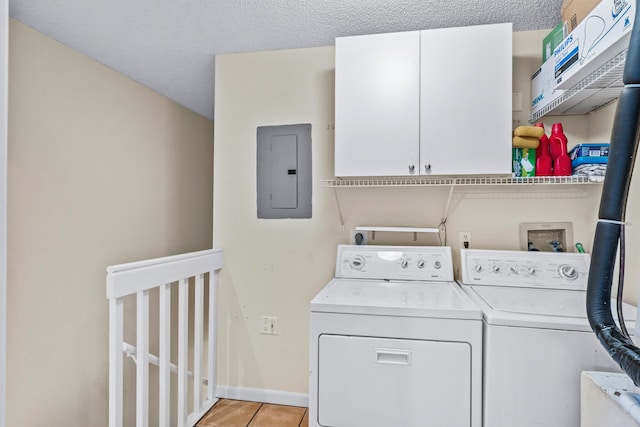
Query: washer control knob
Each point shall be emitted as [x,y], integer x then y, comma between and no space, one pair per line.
[496,268]
[514,269]
[531,270]
[404,263]
[477,268]
[357,263]
[421,264]
[568,272]
[437,265]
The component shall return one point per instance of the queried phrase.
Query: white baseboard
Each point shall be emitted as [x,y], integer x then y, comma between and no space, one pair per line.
[263,395]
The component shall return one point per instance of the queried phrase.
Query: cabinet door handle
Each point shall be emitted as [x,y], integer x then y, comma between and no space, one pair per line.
[411,168]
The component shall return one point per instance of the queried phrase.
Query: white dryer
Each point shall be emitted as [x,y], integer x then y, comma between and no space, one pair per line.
[395,342]
[537,338]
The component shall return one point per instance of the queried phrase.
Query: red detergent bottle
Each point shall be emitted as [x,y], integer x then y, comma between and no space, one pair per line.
[544,164]
[558,150]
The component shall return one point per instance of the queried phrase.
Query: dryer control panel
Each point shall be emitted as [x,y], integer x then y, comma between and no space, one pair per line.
[425,263]
[553,270]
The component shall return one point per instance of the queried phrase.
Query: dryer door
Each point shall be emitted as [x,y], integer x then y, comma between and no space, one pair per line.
[393,382]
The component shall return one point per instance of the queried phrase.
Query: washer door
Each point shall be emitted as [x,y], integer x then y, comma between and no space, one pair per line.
[393,382]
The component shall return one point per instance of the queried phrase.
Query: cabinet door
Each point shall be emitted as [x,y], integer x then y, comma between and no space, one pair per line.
[465,123]
[377,105]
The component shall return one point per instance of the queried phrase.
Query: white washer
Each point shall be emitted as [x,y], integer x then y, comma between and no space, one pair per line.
[537,338]
[395,342]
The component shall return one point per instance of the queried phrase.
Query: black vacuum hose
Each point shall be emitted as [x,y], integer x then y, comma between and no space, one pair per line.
[613,203]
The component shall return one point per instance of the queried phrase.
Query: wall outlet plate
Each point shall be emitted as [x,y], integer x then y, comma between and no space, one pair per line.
[269,325]
[465,239]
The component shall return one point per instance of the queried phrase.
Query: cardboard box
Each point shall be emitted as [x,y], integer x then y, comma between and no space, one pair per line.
[603,34]
[573,12]
[543,90]
[552,40]
[524,162]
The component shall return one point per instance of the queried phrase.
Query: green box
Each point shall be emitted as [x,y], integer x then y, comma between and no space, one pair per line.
[553,39]
[523,162]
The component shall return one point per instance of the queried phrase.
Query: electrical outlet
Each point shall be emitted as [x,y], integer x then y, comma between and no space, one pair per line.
[269,325]
[465,239]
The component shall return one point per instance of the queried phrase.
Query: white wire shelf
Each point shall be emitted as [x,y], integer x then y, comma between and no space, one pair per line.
[455,181]
[595,91]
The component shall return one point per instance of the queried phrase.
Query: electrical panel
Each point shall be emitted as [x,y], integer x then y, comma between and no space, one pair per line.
[284,171]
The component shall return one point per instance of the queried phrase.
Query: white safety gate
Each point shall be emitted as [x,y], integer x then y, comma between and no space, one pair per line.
[140,278]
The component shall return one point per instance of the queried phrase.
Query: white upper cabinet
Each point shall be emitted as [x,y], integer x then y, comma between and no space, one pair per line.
[434,102]
[378,105]
[466,101]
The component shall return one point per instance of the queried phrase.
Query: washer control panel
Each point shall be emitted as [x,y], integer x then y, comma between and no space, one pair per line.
[426,263]
[554,270]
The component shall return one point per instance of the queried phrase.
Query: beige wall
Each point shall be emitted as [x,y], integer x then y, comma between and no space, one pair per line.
[101,171]
[272,267]
[275,267]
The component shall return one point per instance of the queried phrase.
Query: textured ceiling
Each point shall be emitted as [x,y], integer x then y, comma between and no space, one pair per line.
[170,45]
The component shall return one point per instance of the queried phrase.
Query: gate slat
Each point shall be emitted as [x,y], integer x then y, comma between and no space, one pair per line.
[116,335]
[183,350]
[164,417]
[211,374]
[142,359]
[197,342]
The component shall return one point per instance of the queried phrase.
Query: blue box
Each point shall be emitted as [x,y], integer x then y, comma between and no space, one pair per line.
[589,154]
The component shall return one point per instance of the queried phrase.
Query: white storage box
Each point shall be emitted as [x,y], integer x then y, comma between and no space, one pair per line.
[542,86]
[603,34]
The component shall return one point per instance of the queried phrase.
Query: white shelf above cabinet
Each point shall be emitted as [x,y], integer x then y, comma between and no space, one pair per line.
[595,91]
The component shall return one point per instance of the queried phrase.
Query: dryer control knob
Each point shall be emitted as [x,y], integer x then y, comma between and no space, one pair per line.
[496,269]
[404,263]
[437,265]
[531,270]
[421,264]
[477,268]
[514,269]
[357,262]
